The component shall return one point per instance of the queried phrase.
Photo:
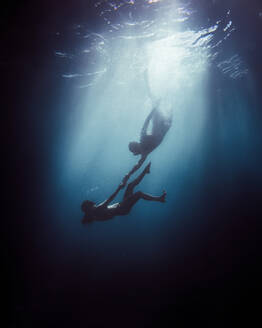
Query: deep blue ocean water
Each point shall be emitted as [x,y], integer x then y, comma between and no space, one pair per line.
[81,99]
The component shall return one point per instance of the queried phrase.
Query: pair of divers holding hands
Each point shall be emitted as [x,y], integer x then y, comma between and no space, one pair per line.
[148,142]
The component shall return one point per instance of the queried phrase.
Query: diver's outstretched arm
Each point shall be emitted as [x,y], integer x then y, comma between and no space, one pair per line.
[138,165]
[110,198]
[124,181]
[134,169]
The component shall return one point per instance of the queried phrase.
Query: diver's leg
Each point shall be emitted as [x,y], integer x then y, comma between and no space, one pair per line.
[161,198]
[131,186]
[130,201]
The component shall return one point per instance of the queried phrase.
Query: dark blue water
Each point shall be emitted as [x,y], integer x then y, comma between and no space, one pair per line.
[81,98]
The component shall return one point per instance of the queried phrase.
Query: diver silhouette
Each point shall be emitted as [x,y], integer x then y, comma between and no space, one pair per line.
[149,141]
[104,211]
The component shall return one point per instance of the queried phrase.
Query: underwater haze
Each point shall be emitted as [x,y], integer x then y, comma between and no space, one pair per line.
[87,75]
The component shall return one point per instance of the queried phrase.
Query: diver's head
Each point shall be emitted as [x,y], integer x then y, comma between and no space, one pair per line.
[135,147]
[87,207]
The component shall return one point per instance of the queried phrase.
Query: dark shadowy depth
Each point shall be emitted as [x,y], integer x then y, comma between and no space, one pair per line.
[209,275]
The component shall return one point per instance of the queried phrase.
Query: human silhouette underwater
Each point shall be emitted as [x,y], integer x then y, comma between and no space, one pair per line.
[147,143]
[104,211]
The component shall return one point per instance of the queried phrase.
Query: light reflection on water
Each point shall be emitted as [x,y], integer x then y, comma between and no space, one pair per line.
[143,23]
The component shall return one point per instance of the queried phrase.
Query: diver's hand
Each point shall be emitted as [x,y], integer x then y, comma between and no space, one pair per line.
[122,185]
[163,197]
[123,182]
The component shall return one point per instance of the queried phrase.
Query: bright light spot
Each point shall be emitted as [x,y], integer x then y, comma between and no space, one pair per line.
[152,1]
[174,64]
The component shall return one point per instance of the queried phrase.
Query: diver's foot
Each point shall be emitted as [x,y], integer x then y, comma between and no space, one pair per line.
[147,169]
[163,197]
